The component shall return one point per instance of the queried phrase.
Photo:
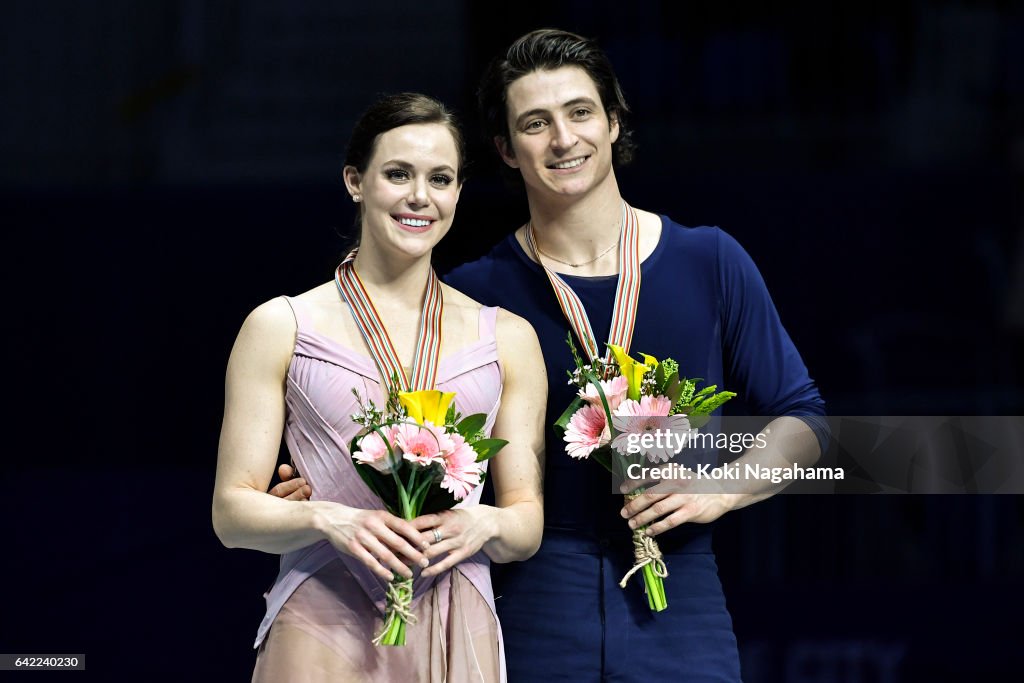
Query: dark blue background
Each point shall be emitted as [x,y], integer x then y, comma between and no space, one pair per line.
[167,166]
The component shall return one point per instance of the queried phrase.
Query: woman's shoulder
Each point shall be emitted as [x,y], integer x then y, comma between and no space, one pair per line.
[506,322]
[514,332]
[271,317]
[267,336]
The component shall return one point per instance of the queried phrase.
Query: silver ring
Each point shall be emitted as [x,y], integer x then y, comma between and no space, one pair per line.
[437,536]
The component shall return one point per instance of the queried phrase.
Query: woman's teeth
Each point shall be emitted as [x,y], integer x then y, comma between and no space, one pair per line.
[414,222]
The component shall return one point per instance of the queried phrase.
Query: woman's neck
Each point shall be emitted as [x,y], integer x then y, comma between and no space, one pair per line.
[389,278]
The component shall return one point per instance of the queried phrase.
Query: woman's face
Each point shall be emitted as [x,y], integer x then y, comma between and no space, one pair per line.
[409,189]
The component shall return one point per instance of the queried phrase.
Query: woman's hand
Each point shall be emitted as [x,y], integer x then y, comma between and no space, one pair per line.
[383,542]
[463,532]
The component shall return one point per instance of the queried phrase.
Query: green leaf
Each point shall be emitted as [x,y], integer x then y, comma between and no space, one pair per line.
[563,421]
[704,392]
[602,456]
[382,485]
[471,425]
[698,421]
[673,388]
[713,403]
[659,378]
[488,448]
[436,500]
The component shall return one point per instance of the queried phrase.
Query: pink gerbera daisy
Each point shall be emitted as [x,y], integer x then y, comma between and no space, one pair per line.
[614,391]
[649,415]
[422,444]
[373,451]
[587,430]
[461,470]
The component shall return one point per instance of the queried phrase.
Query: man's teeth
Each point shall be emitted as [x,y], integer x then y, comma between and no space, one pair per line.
[414,222]
[570,164]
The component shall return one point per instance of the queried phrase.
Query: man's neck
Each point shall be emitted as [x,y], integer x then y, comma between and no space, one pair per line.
[578,229]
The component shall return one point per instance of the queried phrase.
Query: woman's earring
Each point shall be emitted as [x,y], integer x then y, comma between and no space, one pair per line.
[357,198]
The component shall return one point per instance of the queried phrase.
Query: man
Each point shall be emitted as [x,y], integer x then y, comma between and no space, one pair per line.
[556,113]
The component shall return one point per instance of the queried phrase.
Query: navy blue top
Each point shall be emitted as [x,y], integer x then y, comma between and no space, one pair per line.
[702,302]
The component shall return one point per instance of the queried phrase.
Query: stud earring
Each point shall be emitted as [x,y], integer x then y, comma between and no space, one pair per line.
[357,198]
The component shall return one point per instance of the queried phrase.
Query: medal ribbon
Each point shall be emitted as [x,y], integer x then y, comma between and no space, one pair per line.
[428,339]
[627,293]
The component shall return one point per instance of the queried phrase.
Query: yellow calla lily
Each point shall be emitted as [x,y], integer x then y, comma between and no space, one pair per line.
[429,406]
[632,369]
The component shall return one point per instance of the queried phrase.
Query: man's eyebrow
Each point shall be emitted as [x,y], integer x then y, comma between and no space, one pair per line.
[579,100]
[527,114]
[565,105]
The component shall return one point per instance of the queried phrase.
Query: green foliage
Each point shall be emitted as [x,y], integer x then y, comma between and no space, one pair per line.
[471,426]
[712,403]
[667,370]
[563,421]
[487,448]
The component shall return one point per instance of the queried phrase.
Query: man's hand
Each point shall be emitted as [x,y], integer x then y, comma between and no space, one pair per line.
[664,511]
[289,488]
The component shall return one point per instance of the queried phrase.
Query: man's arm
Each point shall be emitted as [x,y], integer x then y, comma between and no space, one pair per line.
[763,365]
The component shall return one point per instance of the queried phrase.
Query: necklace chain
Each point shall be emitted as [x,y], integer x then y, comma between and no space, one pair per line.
[582,263]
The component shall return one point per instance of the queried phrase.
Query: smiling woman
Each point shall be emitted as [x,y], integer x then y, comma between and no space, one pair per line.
[407,190]
[295,370]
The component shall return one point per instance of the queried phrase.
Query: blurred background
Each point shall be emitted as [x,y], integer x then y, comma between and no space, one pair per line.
[169,165]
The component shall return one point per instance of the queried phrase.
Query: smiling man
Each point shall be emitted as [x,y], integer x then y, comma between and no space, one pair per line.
[556,113]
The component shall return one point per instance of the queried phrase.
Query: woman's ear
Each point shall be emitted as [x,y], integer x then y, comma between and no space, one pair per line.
[353,183]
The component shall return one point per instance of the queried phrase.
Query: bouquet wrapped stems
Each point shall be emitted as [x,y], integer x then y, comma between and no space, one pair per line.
[644,395]
[648,560]
[399,613]
[418,455]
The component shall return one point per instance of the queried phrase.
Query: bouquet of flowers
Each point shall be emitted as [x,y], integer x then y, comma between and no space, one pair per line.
[637,397]
[419,456]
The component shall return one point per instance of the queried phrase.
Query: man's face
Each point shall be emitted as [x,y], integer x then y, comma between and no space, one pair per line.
[560,138]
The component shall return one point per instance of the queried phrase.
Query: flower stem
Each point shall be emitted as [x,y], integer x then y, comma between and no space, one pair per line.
[654,585]
[397,614]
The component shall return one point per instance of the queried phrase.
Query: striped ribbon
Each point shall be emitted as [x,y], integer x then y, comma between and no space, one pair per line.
[627,293]
[428,339]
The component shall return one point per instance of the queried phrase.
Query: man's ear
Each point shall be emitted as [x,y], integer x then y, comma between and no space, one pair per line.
[613,126]
[352,181]
[504,148]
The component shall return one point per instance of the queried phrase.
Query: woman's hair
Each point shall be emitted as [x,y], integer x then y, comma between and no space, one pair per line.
[387,113]
[545,50]
[394,111]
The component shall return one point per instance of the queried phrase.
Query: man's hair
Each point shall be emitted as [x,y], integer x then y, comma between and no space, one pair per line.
[545,50]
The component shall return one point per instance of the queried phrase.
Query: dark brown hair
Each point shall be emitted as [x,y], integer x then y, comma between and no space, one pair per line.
[394,111]
[387,113]
[544,50]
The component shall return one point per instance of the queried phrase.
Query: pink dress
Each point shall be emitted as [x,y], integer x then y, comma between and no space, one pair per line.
[325,606]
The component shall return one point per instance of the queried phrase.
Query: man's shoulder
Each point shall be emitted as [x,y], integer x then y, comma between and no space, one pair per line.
[500,257]
[698,241]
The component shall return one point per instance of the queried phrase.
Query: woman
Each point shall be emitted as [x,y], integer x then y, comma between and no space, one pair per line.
[293,369]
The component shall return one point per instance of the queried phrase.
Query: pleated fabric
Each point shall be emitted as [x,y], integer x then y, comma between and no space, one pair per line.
[325,607]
